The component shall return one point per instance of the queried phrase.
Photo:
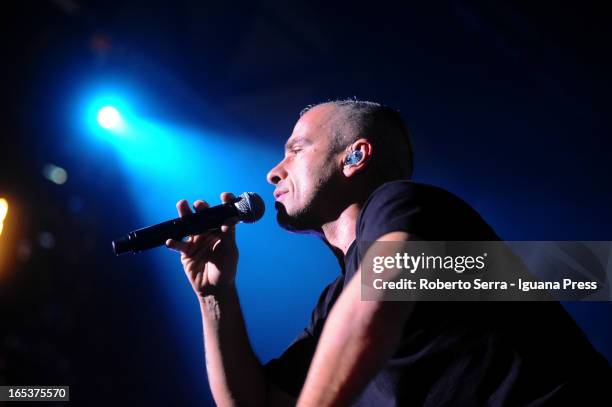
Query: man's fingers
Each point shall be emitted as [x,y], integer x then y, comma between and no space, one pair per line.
[178,245]
[199,205]
[183,208]
[227,196]
[229,226]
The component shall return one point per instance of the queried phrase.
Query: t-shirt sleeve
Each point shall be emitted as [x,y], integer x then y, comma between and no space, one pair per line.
[289,370]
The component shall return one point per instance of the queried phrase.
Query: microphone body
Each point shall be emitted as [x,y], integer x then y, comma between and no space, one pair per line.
[248,208]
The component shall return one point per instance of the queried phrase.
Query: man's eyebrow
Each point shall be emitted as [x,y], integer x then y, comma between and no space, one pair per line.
[297,140]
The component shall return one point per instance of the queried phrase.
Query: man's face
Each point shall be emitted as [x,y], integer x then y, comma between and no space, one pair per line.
[304,179]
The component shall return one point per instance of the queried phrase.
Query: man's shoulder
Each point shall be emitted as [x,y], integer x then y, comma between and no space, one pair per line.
[424,210]
[412,192]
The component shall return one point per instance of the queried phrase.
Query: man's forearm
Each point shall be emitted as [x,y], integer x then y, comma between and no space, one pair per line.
[357,340]
[236,376]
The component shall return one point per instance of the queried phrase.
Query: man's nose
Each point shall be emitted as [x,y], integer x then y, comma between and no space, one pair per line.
[276,174]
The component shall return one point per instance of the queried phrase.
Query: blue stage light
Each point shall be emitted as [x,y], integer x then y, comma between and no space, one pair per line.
[109,118]
[162,162]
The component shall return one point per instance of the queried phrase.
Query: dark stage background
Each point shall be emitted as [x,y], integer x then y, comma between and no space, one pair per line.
[508,102]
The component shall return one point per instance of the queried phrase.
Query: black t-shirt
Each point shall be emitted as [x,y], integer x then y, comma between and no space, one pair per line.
[457,353]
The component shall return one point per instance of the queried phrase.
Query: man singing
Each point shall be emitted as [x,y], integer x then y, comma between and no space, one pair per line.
[345,177]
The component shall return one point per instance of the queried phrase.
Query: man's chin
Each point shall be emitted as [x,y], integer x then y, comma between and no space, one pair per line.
[289,222]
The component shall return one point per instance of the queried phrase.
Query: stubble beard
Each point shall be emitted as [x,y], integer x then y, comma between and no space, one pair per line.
[302,220]
[308,218]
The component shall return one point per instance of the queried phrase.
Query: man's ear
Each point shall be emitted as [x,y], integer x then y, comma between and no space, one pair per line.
[357,157]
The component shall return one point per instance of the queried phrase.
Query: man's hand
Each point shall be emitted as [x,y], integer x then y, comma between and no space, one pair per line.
[209,259]
[235,375]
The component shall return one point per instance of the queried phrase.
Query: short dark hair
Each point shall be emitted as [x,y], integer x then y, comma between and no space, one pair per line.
[383,126]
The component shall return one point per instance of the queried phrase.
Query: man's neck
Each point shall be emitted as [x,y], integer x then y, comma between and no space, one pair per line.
[340,233]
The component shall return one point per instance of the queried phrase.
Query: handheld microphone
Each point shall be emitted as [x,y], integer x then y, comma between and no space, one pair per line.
[248,208]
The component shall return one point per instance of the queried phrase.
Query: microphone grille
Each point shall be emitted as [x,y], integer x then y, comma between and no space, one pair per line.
[250,206]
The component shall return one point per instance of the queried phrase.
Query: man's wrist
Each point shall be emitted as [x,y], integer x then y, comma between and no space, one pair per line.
[213,299]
